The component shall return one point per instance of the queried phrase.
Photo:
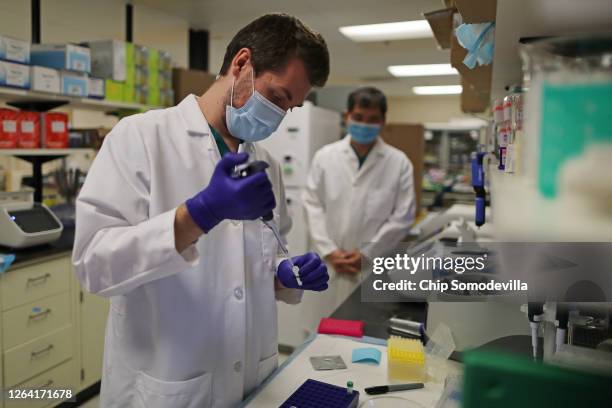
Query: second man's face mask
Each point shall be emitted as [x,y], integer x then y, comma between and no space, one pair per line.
[363,133]
[256,120]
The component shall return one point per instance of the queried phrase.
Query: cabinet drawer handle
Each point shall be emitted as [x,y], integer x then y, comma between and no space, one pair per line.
[39,352]
[41,279]
[39,315]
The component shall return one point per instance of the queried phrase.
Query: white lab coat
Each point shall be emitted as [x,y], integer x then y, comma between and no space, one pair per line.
[195,329]
[369,208]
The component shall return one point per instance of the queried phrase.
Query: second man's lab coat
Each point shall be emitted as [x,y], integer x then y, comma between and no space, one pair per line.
[369,208]
[195,329]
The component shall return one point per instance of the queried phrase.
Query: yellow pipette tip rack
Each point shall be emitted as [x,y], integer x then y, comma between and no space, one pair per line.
[406,359]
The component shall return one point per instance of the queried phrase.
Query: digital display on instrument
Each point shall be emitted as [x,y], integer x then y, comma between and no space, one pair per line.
[36,219]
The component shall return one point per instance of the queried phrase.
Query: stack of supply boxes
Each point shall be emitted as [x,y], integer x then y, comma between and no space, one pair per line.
[72,62]
[30,130]
[14,60]
[14,73]
[148,77]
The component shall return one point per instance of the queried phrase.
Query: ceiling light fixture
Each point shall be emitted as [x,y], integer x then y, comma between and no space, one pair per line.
[437,90]
[422,70]
[401,30]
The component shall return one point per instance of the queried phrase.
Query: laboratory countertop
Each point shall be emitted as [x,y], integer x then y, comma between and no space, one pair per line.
[376,317]
[40,253]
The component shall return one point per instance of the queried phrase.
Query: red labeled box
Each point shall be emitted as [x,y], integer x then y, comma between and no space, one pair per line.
[29,130]
[55,130]
[9,131]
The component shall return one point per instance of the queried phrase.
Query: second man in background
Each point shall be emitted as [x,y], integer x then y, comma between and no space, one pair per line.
[359,198]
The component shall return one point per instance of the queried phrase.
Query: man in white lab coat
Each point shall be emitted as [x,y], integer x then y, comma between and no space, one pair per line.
[174,239]
[359,198]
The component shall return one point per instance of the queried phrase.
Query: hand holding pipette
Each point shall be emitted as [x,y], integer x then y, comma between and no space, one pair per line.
[311,272]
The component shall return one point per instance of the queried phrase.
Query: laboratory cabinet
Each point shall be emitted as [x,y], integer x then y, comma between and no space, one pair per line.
[51,331]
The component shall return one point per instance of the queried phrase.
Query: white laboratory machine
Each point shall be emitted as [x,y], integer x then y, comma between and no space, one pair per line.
[24,223]
[301,133]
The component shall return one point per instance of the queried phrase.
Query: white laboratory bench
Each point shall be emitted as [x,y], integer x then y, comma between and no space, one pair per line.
[297,369]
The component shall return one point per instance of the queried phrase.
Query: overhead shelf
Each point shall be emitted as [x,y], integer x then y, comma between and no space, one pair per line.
[23,96]
[518,19]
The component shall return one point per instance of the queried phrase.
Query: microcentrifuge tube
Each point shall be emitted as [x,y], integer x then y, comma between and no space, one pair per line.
[296,273]
[349,387]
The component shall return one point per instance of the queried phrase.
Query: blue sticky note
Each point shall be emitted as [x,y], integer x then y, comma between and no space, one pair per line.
[366,355]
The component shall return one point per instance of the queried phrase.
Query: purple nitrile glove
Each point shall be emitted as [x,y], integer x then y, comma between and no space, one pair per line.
[313,273]
[228,198]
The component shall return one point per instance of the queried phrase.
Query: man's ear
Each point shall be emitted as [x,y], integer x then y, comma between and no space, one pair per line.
[240,61]
[345,116]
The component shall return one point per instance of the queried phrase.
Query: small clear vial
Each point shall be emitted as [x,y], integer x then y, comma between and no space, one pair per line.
[349,387]
[296,272]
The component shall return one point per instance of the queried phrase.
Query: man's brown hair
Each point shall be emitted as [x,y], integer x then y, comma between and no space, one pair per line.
[274,39]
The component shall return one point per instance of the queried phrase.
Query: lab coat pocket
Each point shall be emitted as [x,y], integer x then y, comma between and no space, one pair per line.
[266,367]
[153,393]
[380,204]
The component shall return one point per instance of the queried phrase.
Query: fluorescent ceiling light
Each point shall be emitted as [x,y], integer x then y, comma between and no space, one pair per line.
[437,90]
[401,30]
[422,70]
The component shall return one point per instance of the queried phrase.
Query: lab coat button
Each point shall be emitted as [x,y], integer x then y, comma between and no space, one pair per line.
[238,366]
[238,293]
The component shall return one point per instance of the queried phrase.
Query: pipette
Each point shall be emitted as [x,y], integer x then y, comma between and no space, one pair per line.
[257,166]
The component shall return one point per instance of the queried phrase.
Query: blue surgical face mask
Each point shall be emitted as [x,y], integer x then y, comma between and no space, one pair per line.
[478,40]
[254,121]
[363,133]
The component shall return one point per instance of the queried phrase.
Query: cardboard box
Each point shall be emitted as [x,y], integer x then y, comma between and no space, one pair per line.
[164,81]
[141,94]
[54,130]
[141,76]
[409,139]
[75,84]
[441,23]
[14,50]
[167,97]
[9,129]
[129,93]
[14,75]
[62,56]
[190,81]
[473,100]
[154,97]
[113,90]
[96,88]
[165,62]
[29,130]
[479,77]
[477,11]
[153,60]
[141,55]
[45,79]
[108,59]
